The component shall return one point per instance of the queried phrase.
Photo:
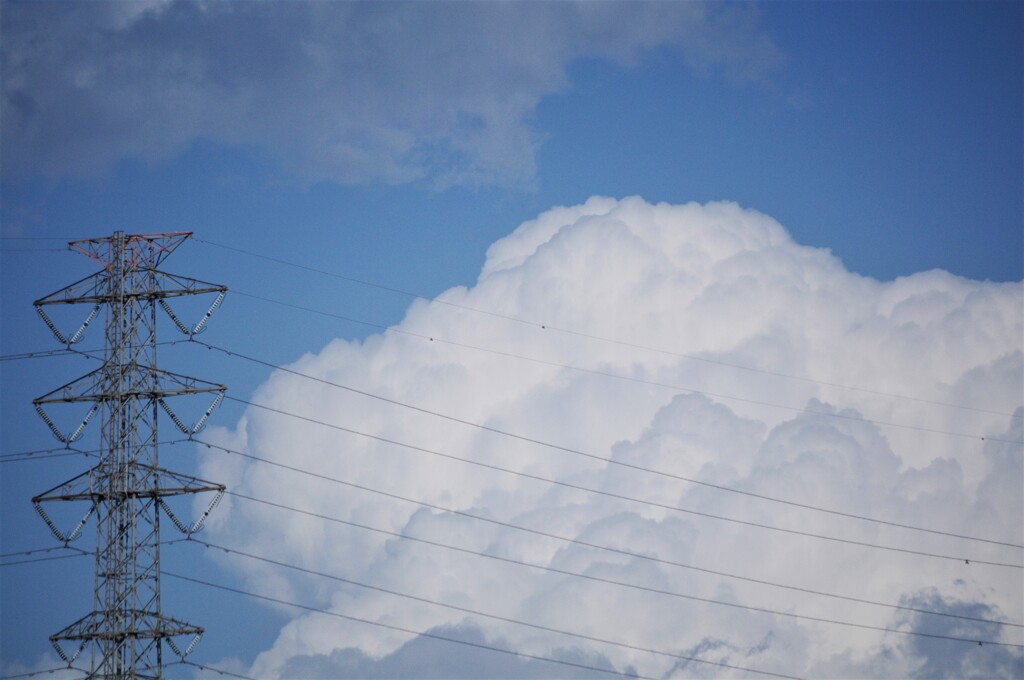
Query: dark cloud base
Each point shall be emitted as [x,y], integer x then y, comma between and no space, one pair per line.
[945,660]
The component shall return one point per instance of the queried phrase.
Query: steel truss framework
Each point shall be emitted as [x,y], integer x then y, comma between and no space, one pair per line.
[127,490]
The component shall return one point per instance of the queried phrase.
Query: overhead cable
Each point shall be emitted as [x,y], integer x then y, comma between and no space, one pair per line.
[61,351]
[23,459]
[568,540]
[43,559]
[476,612]
[642,588]
[434,636]
[66,450]
[219,671]
[78,552]
[36,238]
[33,250]
[68,350]
[444,638]
[45,672]
[590,336]
[33,551]
[610,461]
[689,511]
[608,374]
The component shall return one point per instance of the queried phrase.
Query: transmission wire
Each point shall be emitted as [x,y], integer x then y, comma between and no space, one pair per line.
[33,250]
[43,559]
[565,539]
[512,355]
[634,586]
[221,671]
[476,612]
[46,672]
[434,636]
[608,493]
[546,326]
[26,459]
[60,351]
[611,461]
[51,548]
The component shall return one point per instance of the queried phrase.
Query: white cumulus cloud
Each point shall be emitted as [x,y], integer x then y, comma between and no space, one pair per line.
[640,317]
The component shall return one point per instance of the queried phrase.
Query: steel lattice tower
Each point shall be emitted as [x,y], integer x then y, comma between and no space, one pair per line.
[127,489]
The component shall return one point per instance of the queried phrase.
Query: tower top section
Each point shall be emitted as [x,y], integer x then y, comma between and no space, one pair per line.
[137,251]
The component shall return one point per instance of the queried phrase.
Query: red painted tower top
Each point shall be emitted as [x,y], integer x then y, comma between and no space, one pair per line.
[140,251]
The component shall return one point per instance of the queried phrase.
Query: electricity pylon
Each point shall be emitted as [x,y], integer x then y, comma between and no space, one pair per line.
[127,489]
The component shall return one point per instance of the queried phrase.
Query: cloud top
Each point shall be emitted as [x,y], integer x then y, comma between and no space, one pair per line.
[710,308]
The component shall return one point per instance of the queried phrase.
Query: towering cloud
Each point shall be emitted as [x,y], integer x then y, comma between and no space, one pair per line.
[637,345]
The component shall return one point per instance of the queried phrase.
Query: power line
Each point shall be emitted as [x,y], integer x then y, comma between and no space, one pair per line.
[63,351]
[35,238]
[220,671]
[611,461]
[406,630]
[57,452]
[457,640]
[32,551]
[72,449]
[66,450]
[50,450]
[476,612]
[33,250]
[68,350]
[19,454]
[78,553]
[589,336]
[565,539]
[608,374]
[634,586]
[688,511]
[49,549]
[27,459]
[43,559]
[46,672]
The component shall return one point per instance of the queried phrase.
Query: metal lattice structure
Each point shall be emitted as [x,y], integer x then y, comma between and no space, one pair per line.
[127,490]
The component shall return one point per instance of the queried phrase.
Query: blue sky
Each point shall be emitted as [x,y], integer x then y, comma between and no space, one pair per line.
[888,133]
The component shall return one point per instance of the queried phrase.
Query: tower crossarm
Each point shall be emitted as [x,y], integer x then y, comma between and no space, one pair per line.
[160,483]
[132,250]
[93,627]
[91,388]
[160,285]
[113,631]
